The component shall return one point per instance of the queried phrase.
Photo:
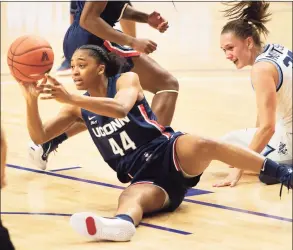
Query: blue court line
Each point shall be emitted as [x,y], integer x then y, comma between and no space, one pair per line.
[239,210]
[65,176]
[192,191]
[186,200]
[62,169]
[68,215]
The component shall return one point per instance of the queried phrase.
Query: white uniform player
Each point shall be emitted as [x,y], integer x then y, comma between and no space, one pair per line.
[279,147]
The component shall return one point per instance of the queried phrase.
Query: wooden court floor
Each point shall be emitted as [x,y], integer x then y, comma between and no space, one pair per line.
[36,204]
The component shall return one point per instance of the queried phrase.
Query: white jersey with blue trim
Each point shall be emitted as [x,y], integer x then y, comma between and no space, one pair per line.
[281,57]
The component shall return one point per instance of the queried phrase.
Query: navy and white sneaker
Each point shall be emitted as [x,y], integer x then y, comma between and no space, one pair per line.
[38,154]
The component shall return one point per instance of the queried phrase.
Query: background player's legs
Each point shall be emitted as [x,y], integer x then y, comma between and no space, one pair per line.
[154,78]
[195,154]
[139,199]
[75,129]
[39,153]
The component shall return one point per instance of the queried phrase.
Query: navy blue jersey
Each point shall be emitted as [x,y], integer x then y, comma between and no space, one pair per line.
[116,138]
[111,14]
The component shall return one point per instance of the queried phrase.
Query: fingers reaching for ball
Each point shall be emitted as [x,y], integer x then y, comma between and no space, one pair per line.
[50,88]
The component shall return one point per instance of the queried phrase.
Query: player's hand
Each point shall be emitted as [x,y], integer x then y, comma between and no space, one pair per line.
[231,180]
[31,90]
[54,90]
[156,21]
[144,45]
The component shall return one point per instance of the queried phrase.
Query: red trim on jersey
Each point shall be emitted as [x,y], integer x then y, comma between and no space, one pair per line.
[175,159]
[152,122]
[120,52]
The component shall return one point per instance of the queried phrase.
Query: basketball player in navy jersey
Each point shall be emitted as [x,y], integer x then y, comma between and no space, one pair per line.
[159,163]
[93,24]
[127,26]
[5,242]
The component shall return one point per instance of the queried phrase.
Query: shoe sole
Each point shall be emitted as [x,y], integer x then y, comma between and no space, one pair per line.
[93,227]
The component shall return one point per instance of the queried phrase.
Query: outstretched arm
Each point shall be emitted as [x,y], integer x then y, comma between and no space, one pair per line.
[128,92]
[264,78]
[154,19]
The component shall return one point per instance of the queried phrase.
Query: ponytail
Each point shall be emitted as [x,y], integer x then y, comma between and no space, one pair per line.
[247,19]
[113,62]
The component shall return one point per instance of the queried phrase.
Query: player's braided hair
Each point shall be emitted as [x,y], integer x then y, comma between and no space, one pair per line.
[112,61]
[247,19]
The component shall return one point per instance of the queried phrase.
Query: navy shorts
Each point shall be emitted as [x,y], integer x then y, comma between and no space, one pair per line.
[76,36]
[157,163]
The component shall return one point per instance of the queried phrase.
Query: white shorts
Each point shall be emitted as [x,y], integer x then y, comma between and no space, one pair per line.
[279,148]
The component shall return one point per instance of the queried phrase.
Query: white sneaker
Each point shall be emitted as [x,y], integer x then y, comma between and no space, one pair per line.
[101,228]
[37,156]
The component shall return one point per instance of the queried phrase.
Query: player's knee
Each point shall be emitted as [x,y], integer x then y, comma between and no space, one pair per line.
[205,146]
[129,196]
[173,83]
[168,82]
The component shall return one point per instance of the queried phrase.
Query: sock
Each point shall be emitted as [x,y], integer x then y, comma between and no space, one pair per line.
[125,217]
[55,142]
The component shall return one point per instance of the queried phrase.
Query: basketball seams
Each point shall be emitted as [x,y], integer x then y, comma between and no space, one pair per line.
[35,45]
[12,67]
[22,74]
[36,48]
[32,65]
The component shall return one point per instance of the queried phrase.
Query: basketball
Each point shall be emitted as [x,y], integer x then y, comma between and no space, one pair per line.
[29,58]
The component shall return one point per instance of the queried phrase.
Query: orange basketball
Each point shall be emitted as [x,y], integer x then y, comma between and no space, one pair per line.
[29,58]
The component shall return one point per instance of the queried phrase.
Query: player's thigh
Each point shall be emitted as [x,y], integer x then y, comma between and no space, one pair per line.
[149,196]
[152,76]
[194,153]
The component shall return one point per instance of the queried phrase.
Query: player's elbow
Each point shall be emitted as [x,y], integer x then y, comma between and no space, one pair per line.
[268,129]
[86,21]
[121,112]
[83,22]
